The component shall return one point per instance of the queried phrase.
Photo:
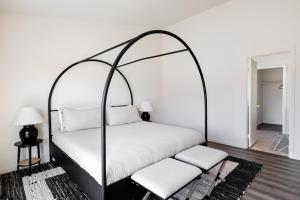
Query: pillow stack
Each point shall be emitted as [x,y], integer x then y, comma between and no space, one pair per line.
[122,115]
[74,119]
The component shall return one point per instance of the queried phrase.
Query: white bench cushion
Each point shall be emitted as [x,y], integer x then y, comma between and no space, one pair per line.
[166,177]
[202,156]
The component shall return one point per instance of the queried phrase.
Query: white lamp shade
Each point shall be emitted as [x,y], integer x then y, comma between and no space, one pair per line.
[28,116]
[146,106]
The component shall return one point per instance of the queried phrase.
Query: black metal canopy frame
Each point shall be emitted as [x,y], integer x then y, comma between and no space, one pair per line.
[114,68]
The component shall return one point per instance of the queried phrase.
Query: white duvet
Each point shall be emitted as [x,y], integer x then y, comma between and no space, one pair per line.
[130,147]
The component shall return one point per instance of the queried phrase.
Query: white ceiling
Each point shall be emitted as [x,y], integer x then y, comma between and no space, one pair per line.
[150,13]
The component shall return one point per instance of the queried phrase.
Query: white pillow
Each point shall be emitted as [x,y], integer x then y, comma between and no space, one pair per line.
[72,119]
[122,115]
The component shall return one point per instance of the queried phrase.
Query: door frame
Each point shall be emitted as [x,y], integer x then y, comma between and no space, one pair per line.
[289,101]
[251,85]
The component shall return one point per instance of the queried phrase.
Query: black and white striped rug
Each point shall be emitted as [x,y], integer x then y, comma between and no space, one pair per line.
[50,182]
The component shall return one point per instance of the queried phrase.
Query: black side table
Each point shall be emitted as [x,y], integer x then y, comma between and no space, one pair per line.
[31,161]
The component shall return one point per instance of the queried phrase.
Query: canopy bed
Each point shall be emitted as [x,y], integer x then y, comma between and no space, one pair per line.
[112,179]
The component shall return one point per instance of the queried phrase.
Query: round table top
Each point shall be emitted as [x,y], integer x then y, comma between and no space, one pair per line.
[21,144]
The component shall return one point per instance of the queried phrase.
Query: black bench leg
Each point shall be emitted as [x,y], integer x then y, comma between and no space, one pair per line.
[194,185]
[216,178]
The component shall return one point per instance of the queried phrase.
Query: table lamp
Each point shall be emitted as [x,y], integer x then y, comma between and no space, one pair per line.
[146,107]
[28,117]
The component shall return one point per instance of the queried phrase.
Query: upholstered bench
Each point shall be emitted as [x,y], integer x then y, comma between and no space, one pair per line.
[205,158]
[167,177]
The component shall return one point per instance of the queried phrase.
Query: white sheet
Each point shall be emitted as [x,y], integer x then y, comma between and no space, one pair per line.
[130,147]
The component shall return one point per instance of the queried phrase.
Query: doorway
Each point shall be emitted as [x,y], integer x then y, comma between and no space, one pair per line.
[267,97]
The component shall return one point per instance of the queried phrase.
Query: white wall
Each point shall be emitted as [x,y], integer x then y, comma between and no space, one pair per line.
[223,39]
[272,95]
[34,50]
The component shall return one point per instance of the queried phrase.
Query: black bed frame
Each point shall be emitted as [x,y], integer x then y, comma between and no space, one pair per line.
[123,189]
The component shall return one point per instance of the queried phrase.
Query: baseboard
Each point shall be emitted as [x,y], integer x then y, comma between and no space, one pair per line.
[9,168]
[228,142]
[257,126]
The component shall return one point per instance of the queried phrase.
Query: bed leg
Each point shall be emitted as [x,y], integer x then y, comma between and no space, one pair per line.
[146,196]
[51,159]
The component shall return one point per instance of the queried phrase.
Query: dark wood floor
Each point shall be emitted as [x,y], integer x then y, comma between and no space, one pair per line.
[270,127]
[279,178]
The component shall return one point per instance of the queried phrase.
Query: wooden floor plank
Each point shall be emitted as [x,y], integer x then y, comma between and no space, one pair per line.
[279,178]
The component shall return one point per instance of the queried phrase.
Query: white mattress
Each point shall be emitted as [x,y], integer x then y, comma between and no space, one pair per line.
[129,147]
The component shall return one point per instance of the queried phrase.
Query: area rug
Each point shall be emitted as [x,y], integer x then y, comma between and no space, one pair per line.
[280,144]
[50,182]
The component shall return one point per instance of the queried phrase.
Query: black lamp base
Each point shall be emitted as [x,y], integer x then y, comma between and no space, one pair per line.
[28,134]
[145,116]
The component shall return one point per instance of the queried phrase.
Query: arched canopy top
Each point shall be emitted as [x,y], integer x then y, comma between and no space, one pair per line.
[114,67]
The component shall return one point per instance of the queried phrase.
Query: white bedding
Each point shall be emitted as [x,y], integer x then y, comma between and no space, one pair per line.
[130,147]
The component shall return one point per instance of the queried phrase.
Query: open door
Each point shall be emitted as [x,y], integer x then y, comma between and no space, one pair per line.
[252,100]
